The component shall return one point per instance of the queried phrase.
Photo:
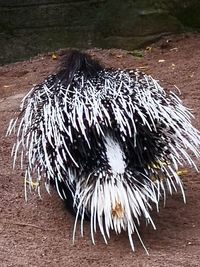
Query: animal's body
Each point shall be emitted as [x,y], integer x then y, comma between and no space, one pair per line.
[111,141]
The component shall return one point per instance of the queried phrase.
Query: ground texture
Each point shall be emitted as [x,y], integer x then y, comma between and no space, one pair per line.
[39,232]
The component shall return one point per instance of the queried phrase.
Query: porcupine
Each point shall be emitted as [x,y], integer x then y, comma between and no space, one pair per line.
[110,140]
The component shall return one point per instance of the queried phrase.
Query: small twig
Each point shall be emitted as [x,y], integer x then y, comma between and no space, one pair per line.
[29,225]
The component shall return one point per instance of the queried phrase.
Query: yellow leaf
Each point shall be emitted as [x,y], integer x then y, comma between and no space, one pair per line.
[54,56]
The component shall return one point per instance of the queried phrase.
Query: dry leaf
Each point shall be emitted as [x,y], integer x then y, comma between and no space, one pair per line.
[174,49]
[54,56]
[172,66]
[149,48]
[143,67]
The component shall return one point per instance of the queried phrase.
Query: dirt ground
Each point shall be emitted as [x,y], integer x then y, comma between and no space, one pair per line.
[39,232]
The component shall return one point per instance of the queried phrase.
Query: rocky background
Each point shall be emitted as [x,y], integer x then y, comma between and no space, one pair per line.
[29,27]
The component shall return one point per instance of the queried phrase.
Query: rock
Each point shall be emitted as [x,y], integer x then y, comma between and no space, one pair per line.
[31,27]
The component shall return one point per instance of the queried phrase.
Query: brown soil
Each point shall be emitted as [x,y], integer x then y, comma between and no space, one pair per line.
[39,232]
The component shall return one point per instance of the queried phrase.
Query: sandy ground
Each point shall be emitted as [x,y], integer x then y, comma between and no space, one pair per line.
[39,232]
